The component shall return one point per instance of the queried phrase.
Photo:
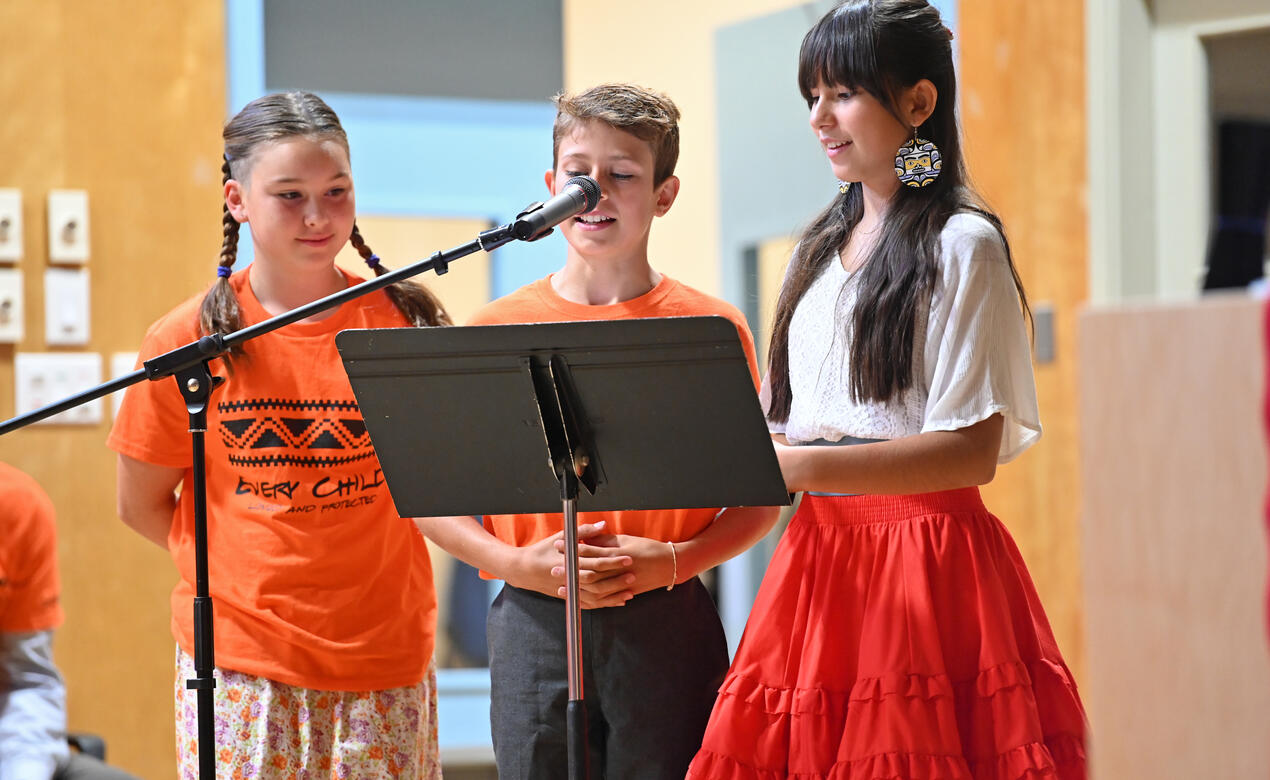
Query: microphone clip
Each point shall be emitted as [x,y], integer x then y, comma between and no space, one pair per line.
[530,209]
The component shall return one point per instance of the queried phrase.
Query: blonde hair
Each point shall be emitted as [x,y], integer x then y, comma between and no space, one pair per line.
[644,113]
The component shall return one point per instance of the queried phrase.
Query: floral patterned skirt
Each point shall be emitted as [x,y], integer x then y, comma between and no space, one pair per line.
[266,730]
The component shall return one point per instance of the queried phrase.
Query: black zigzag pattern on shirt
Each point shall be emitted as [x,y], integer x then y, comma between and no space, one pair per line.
[266,432]
[294,460]
[256,404]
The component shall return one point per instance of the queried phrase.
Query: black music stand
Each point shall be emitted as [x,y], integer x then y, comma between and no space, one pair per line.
[645,414]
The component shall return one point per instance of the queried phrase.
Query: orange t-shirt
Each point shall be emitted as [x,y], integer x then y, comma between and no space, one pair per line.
[29,586]
[539,302]
[315,579]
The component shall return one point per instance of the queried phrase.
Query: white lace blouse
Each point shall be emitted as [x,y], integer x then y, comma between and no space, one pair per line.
[971,357]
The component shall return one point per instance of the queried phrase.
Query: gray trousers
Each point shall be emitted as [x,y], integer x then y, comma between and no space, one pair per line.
[81,767]
[651,671]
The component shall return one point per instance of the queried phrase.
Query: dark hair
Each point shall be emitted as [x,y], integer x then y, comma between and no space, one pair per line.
[881,47]
[644,113]
[274,118]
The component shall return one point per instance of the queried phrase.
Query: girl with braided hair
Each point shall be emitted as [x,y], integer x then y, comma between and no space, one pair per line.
[324,604]
[270,120]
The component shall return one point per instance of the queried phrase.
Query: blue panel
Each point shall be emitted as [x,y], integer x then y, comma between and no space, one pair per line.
[245,66]
[948,12]
[772,176]
[463,711]
[244,52]
[455,158]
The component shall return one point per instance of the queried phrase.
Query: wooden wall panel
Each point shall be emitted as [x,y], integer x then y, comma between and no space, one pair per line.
[1023,112]
[125,102]
[1174,466]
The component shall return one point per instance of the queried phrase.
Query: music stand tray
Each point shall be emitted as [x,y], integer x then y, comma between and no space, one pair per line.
[453,415]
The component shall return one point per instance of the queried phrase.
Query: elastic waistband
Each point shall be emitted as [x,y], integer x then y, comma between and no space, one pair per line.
[852,510]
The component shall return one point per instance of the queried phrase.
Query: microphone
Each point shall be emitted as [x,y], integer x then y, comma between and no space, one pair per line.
[578,196]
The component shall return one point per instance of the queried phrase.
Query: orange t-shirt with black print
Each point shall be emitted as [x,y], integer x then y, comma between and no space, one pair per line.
[29,586]
[315,579]
[539,302]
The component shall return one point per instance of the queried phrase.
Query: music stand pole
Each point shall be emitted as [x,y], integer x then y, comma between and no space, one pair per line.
[571,447]
[575,710]
[196,384]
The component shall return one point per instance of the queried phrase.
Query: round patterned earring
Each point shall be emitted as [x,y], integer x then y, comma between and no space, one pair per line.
[843,186]
[918,162]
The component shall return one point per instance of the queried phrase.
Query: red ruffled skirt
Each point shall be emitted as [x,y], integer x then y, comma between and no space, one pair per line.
[896,637]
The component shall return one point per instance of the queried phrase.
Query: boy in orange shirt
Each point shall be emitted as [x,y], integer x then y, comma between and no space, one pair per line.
[648,699]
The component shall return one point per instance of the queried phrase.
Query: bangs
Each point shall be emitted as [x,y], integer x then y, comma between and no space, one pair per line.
[840,51]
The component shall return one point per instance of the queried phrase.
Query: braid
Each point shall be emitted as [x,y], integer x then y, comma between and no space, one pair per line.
[359,244]
[414,300]
[219,312]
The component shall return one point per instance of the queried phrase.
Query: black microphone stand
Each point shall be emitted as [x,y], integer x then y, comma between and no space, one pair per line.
[189,364]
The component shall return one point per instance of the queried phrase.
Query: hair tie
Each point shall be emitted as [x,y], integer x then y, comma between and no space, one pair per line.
[373,261]
[223,271]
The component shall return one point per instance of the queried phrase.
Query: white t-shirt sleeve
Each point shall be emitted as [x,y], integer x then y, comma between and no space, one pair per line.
[977,357]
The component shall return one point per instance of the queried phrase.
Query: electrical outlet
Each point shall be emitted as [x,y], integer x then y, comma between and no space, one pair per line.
[11,314]
[1043,332]
[66,307]
[43,378]
[10,225]
[68,226]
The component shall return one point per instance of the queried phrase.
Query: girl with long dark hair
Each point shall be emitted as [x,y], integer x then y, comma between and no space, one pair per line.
[897,633]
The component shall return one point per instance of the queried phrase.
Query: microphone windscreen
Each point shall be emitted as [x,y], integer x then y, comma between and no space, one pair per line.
[590,190]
